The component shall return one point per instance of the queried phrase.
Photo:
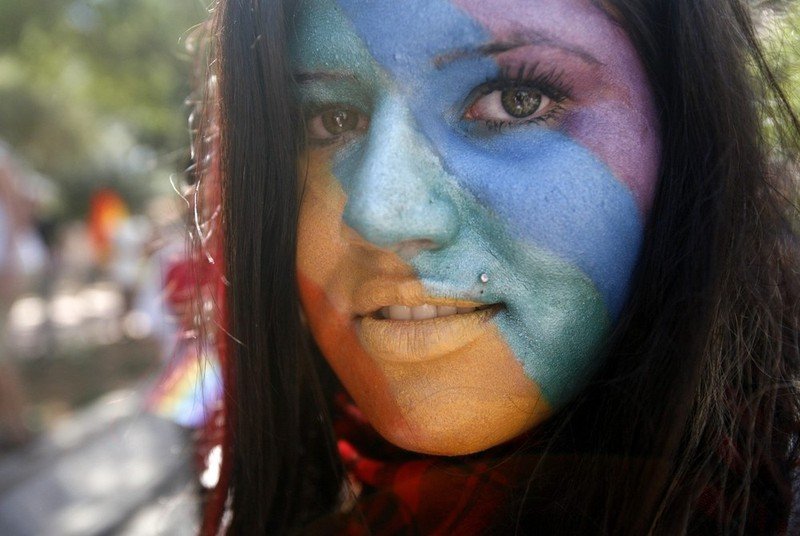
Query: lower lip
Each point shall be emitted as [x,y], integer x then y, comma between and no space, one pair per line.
[414,341]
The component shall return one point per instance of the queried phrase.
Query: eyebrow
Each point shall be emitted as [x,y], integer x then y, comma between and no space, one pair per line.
[518,40]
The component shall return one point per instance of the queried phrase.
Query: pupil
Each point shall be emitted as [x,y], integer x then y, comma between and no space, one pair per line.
[521,102]
[339,121]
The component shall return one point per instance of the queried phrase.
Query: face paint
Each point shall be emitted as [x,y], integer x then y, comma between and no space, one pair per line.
[422,188]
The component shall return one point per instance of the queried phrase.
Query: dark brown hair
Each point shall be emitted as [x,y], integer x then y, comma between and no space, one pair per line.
[693,422]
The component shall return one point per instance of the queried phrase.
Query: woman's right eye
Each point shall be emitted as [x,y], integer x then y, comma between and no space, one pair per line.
[333,123]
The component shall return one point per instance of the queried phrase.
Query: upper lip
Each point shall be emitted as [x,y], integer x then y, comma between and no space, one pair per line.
[376,294]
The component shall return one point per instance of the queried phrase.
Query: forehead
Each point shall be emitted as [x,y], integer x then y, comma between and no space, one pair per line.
[431,30]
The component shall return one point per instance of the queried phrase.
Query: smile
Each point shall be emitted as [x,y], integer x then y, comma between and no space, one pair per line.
[404,334]
[423,312]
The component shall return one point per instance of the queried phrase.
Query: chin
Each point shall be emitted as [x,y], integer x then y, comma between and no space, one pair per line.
[456,427]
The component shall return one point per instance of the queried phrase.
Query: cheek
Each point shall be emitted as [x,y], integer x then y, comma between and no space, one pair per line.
[334,333]
[552,194]
[323,242]
[559,235]
[626,138]
[555,318]
[328,269]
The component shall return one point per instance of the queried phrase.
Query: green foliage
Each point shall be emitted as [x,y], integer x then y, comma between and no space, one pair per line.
[92,91]
[780,29]
[791,53]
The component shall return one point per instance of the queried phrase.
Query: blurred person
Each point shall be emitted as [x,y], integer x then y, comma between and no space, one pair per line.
[12,426]
[23,257]
[190,385]
[128,255]
[107,210]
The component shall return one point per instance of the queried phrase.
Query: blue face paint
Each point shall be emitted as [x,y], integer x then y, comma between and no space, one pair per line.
[555,231]
[551,191]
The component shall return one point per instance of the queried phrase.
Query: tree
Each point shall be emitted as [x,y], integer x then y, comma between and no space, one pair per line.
[92,91]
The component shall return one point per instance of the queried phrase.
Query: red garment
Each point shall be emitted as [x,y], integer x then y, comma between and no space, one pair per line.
[397,492]
[405,493]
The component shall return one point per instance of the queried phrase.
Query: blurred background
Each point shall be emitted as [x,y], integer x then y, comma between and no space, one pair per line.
[93,146]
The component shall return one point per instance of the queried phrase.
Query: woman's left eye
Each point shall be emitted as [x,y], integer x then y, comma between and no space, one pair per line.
[517,103]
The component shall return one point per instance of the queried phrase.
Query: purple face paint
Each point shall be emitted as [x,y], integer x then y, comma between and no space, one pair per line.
[616,116]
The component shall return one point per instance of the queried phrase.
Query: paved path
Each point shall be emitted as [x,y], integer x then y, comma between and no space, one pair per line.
[111,469]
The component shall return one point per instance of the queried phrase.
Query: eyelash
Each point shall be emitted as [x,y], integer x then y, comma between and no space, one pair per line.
[550,83]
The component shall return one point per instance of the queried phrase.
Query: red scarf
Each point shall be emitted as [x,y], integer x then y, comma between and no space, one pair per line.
[397,492]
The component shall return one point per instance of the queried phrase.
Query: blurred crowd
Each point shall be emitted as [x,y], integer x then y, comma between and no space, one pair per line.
[79,285]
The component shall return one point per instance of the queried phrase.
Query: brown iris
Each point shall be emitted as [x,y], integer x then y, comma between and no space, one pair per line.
[520,101]
[339,121]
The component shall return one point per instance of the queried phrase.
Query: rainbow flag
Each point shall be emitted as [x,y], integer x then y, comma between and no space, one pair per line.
[191,386]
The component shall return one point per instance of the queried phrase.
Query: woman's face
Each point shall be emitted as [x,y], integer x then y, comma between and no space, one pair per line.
[476,181]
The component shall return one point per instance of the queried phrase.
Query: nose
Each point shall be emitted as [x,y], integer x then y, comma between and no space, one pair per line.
[396,189]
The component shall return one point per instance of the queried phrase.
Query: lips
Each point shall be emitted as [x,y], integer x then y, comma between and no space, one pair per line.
[374,297]
[397,320]
[417,340]
[423,312]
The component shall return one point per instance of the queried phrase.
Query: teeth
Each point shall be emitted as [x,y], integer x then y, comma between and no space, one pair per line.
[443,310]
[422,312]
[398,312]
